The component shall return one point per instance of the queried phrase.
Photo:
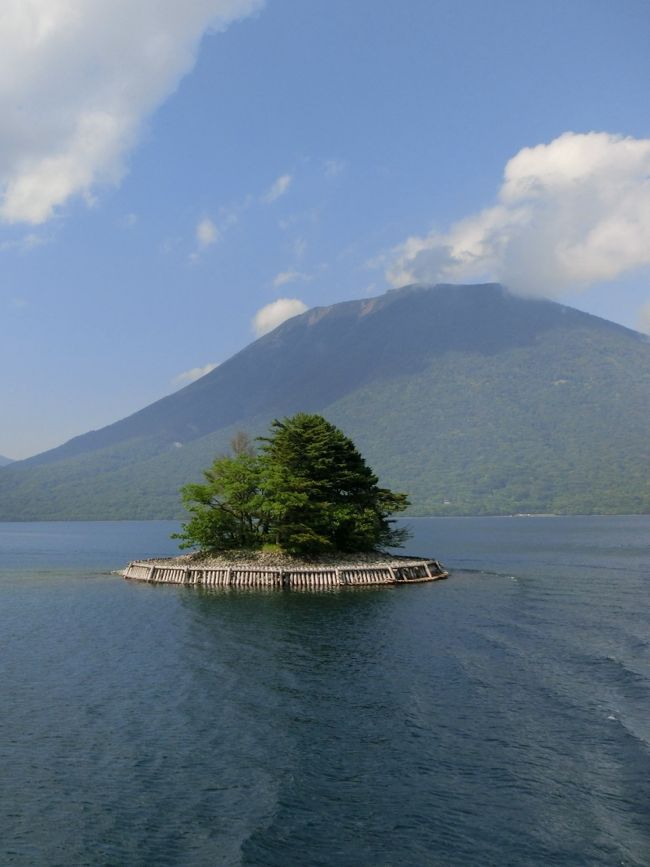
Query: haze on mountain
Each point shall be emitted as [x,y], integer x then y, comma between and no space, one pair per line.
[4,461]
[472,400]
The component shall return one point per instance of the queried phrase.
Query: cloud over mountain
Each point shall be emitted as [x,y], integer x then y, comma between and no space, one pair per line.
[275,313]
[78,79]
[569,214]
[193,374]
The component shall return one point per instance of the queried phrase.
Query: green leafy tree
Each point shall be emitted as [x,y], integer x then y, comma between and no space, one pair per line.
[224,509]
[308,491]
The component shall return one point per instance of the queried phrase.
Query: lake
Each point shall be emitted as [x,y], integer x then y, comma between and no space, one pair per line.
[501,717]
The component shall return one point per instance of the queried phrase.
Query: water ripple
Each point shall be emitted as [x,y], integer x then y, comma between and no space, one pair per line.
[496,718]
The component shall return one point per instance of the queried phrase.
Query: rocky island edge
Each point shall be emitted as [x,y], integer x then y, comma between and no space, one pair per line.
[275,570]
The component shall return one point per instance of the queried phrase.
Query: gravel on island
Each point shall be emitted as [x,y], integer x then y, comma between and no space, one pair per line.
[276,560]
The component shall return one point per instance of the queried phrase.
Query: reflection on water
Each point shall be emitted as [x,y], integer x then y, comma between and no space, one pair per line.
[498,717]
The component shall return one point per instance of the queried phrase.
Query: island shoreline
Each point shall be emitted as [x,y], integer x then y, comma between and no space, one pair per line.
[273,571]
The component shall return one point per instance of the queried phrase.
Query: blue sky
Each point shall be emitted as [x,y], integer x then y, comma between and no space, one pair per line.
[169,171]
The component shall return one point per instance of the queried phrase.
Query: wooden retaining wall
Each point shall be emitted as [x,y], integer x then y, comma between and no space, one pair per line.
[299,579]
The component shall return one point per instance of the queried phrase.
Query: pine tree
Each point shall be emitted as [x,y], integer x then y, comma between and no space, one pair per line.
[320,493]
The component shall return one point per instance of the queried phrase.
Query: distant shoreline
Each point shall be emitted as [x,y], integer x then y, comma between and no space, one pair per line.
[405,518]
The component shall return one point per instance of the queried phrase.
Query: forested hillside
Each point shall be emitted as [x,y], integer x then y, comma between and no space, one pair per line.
[471,400]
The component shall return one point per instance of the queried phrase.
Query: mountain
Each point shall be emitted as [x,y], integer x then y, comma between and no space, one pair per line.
[5,461]
[472,400]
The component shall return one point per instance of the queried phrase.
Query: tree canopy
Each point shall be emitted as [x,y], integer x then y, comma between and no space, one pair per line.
[308,490]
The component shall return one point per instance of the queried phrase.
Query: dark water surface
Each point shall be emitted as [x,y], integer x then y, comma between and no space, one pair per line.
[498,718]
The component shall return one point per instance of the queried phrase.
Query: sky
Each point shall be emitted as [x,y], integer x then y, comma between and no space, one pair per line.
[176,179]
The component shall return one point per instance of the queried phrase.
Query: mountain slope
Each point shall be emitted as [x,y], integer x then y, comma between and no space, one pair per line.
[5,461]
[472,400]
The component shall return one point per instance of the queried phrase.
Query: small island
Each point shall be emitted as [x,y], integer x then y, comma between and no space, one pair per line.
[306,512]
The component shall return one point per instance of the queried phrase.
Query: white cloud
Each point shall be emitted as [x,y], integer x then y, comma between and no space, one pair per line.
[569,214]
[643,323]
[206,233]
[278,188]
[192,375]
[285,277]
[274,314]
[78,79]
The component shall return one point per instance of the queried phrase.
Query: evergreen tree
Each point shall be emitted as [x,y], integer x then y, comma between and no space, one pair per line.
[319,492]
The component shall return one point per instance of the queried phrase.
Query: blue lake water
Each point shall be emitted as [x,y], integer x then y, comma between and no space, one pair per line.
[501,717]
